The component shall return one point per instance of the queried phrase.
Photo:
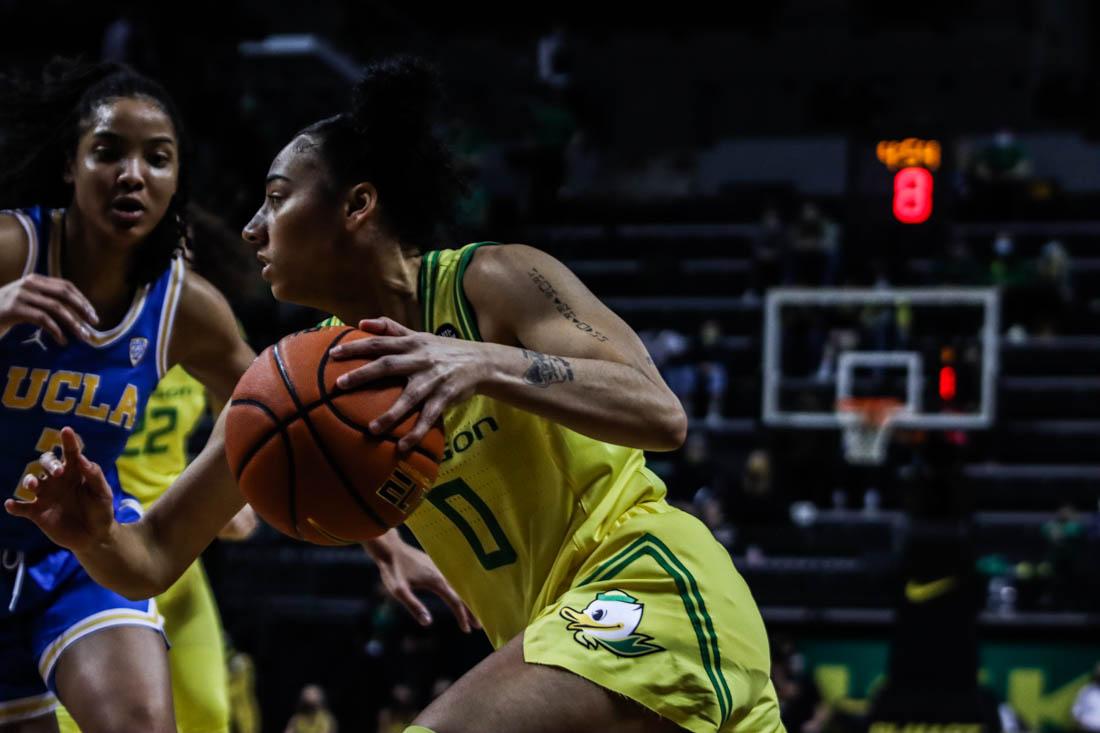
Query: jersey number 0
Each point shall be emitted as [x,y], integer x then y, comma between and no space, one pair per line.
[456,500]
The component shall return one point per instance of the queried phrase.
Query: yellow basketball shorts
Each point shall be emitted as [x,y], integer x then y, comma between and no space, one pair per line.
[197,657]
[659,614]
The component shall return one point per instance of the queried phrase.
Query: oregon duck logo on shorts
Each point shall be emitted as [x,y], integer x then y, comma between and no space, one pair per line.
[611,621]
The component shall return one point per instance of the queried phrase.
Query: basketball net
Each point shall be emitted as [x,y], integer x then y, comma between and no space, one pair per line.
[866,424]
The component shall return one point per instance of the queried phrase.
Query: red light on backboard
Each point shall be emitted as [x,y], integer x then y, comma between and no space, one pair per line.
[947,383]
[912,195]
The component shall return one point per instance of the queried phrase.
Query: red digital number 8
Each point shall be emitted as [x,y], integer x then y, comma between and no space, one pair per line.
[913,195]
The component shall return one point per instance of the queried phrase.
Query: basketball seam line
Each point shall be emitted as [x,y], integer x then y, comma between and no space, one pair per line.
[336,468]
[280,425]
[292,497]
[327,399]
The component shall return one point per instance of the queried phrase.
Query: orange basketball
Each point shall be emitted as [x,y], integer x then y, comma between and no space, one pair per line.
[301,451]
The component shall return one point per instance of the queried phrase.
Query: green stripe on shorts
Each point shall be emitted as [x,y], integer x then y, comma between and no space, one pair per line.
[648,545]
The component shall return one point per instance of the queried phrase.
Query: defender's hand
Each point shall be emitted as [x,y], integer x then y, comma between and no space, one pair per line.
[73,503]
[405,569]
[51,303]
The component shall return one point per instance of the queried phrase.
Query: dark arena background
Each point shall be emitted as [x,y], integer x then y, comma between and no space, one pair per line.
[861,240]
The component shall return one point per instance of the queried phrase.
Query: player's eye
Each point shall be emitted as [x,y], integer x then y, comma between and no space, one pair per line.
[105,154]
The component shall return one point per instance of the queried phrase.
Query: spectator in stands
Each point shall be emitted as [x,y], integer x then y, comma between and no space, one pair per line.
[244,706]
[669,175]
[312,714]
[555,58]
[1051,293]
[800,703]
[694,368]
[707,505]
[769,248]
[1065,535]
[399,713]
[694,470]
[1002,160]
[755,505]
[585,172]
[712,368]
[814,255]
[542,155]
[1006,269]
[1086,707]
[959,266]
[440,686]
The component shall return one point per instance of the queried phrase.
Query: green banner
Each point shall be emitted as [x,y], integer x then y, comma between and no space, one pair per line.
[1039,681]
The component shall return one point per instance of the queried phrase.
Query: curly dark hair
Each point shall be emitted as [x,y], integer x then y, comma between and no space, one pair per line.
[386,138]
[40,125]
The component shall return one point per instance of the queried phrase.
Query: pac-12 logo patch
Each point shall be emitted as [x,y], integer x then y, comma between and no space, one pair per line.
[611,621]
[138,346]
[447,330]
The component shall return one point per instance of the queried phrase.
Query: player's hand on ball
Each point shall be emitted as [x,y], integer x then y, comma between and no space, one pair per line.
[441,372]
[407,569]
[73,502]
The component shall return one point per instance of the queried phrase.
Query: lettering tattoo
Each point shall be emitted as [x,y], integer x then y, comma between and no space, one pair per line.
[561,306]
[546,370]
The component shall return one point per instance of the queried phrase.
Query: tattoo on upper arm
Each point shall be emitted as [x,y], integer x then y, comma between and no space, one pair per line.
[561,306]
[546,370]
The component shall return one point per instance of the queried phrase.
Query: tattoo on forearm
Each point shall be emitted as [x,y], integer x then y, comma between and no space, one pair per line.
[546,370]
[561,306]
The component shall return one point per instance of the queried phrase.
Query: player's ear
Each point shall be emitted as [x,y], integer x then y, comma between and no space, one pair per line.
[361,204]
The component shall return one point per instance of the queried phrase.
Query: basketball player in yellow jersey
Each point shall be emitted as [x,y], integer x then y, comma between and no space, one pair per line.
[609,610]
[155,455]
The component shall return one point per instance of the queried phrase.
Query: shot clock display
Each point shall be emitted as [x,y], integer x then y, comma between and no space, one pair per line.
[913,160]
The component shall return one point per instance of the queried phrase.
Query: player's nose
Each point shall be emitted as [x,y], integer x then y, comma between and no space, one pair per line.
[254,232]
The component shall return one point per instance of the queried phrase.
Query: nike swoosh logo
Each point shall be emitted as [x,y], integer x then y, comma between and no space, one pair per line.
[923,592]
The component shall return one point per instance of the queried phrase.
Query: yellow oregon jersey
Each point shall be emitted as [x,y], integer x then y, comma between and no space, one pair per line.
[568,540]
[520,500]
[157,451]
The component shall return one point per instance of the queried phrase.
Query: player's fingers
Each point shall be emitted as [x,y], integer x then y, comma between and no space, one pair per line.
[51,464]
[473,619]
[386,366]
[42,319]
[70,445]
[429,414]
[26,509]
[414,393]
[61,313]
[63,290]
[372,347]
[444,590]
[412,604]
[383,325]
[94,479]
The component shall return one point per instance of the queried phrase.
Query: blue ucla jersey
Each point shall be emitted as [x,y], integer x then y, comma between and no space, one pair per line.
[97,386]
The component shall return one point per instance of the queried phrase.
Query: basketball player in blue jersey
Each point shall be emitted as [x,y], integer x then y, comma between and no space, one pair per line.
[95,299]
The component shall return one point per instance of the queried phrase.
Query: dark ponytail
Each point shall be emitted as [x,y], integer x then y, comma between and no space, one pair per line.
[387,138]
[40,125]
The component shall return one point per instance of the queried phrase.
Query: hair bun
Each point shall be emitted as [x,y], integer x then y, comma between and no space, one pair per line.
[398,93]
